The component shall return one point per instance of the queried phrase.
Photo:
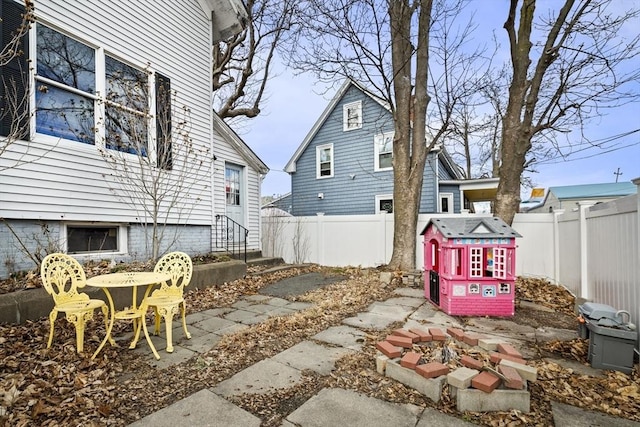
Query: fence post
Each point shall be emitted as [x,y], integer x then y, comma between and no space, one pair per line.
[556,245]
[584,246]
[321,237]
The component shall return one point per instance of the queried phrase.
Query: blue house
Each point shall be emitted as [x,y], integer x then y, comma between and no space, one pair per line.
[343,166]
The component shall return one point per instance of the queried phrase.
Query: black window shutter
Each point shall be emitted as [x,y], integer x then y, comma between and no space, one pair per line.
[163,122]
[14,103]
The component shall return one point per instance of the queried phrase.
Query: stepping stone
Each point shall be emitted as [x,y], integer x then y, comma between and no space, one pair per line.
[203,408]
[308,355]
[262,378]
[337,407]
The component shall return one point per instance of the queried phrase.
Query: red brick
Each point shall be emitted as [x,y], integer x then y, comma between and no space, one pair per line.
[424,336]
[497,357]
[456,333]
[472,363]
[437,334]
[509,350]
[485,381]
[407,334]
[388,349]
[410,360]
[513,378]
[471,338]
[432,369]
[400,341]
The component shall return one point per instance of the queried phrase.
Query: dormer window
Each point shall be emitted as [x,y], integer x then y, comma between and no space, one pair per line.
[352,116]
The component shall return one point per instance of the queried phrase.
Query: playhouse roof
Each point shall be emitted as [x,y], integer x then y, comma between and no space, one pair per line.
[472,227]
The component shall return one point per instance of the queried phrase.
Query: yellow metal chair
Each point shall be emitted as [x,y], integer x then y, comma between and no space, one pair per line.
[62,276]
[168,299]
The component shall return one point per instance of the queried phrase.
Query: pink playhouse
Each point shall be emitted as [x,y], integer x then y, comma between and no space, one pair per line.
[469,265]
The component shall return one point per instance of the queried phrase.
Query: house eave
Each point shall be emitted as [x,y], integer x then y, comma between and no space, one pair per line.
[240,146]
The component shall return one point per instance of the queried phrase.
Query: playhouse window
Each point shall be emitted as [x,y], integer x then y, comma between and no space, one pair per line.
[456,261]
[499,262]
[476,264]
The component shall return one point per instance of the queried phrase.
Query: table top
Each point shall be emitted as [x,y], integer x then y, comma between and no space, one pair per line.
[127,279]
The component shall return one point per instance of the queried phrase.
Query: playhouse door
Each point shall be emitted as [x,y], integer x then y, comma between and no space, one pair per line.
[434,287]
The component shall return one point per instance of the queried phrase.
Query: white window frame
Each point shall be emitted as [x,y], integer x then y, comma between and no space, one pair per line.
[499,263]
[378,143]
[476,262]
[381,197]
[123,240]
[98,98]
[319,150]
[449,197]
[346,108]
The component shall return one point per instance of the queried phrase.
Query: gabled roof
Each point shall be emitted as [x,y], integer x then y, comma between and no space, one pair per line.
[590,191]
[472,227]
[239,145]
[291,164]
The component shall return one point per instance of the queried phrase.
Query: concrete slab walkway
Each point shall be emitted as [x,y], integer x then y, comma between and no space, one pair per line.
[329,407]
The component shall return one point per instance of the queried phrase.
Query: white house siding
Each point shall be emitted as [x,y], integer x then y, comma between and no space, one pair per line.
[67,183]
[224,153]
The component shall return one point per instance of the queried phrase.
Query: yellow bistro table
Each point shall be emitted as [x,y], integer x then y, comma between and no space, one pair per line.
[135,312]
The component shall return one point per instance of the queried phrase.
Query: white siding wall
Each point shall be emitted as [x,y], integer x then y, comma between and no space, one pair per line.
[224,152]
[68,182]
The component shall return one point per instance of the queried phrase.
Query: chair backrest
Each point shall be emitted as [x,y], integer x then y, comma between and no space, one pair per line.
[180,267]
[62,276]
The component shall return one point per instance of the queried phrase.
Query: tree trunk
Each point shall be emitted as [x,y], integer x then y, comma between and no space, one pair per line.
[409,144]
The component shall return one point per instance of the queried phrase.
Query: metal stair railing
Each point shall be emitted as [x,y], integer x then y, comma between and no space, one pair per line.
[231,236]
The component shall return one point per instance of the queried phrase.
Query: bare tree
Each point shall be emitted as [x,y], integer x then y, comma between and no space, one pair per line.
[161,177]
[580,67]
[391,49]
[14,95]
[242,65]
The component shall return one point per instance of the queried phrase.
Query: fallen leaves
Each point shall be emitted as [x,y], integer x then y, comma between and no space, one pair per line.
[59,387]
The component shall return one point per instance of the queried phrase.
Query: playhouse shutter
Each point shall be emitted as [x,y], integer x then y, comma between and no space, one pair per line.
[16,72]
[163,122]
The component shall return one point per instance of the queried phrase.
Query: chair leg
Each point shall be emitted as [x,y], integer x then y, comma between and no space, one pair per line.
[183,309]
[156,330]
[52,322]
[168,320]
[78,320]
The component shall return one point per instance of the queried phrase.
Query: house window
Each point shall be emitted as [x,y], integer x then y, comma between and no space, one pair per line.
[383,150]
[384,203]
[352,116]
[446,203]
[232,186]
[65,87]
[324,161]
[126,106]
[82,239]
[85,95]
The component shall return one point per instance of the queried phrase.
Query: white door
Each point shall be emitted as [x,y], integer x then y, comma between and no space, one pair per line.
[235,200]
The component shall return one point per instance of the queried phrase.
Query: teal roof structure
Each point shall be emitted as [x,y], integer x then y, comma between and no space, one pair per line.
[588,191]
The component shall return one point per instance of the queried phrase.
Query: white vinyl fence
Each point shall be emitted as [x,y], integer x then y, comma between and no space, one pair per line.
[592,250]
